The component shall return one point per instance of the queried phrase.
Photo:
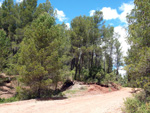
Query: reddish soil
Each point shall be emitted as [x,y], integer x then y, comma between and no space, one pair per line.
[91,89]
[7,90]
[88,99]
[99,89]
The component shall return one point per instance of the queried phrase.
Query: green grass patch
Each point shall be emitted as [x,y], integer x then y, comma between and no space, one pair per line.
[74,91]
[12,99]
[83,88]
[71,91]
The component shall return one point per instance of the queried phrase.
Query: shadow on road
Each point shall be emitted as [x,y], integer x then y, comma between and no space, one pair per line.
[52,98]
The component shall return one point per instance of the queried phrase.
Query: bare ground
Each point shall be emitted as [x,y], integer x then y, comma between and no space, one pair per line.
[7,89]
[110,102]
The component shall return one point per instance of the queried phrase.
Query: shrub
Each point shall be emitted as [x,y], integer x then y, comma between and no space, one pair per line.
[12,99]
[145,108]
[24,94]
[137,104]
[131,105]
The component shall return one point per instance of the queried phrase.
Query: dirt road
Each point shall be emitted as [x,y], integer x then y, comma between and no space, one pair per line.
[101,103]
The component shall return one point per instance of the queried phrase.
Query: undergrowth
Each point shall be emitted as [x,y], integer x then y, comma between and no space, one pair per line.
[12,99]
[137,104]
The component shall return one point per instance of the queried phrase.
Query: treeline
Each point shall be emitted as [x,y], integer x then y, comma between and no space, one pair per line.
[138,59]
[43,53]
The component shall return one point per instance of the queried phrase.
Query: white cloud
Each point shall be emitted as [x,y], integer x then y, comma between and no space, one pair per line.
[126,9]
[122,71]
[60,15]
[18,1]
[109,13]
[111,24]
[121,31]
[92,12]
[1,1]
[122,39]
[68,25]
[0,4]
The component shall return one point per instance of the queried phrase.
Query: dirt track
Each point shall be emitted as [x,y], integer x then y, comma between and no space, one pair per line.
[101,103]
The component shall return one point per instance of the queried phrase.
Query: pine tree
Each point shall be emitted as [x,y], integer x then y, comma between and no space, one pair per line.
[40,56]
[4,49]
[138,56]
[8,19]
[118,54]
[108,48]
[44,7]
[86,41]
[27,9]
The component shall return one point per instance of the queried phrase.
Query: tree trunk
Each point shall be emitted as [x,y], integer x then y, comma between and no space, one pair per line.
[92,60]
[76,65]
[39,92]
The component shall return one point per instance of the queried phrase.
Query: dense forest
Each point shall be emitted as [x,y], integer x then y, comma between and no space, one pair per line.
[138,59]
[43,53]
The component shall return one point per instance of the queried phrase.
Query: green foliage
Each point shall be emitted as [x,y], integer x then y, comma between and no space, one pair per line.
[27,9]
[138,63]
[44,53]
[25,94]
[4,50]
[123,81]
[108,78]
[39,58]
[139,71]
[131,105]
[14,18]
[12,99]
[8,19]
[85,38]
[118,53]
[138,56]
[92,48]
[30,62]
[137,104]
[108,45]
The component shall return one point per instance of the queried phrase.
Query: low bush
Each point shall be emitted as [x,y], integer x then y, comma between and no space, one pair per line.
[137,104]
[12,99]
[27,93]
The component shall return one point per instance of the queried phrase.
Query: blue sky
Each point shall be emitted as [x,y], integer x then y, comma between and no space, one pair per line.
[73,8]
[114,11]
